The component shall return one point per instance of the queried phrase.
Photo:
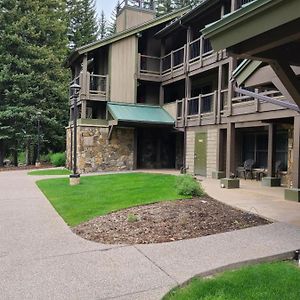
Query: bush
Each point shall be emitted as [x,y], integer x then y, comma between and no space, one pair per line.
[186,185]
[58,159]
[45,158]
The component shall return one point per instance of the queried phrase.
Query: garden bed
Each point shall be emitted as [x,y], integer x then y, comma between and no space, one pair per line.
[166,222]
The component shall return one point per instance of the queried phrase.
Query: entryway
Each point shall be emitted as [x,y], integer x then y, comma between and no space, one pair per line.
[200,157]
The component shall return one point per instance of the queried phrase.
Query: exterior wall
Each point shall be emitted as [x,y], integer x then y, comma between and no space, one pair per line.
[97,153]
[123,66]
[171,109]
[130,17]
[190,151]
[211,149]
[212,135]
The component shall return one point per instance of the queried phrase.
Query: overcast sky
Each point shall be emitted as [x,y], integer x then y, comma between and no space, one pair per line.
[106,5]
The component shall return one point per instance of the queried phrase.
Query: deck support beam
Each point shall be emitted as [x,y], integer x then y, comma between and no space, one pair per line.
[294,193]
[229,182]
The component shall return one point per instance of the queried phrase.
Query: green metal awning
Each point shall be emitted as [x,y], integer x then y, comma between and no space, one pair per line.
[138,113]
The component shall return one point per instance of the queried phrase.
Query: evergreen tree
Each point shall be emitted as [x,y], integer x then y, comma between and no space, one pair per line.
[83,26]
[112,24]
[102,26]
[33,47]
[165,6]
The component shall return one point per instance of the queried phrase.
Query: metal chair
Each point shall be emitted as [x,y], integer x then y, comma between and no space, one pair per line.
[247,168]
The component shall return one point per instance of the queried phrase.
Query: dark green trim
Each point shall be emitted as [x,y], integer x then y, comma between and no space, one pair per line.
[251,20]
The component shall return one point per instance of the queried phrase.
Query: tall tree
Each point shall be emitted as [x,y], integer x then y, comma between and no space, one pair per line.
[33,46]
[83,27]
[102,26]
[112,24]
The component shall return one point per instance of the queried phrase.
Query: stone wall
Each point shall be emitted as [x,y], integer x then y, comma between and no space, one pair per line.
[96,153]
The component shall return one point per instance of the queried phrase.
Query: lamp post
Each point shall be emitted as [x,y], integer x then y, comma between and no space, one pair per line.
[38,163]
[75,177]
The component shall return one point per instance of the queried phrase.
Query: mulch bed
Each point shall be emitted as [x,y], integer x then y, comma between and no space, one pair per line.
[166,222]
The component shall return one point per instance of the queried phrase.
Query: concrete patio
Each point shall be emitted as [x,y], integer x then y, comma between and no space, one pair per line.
[253,197]
[41,258]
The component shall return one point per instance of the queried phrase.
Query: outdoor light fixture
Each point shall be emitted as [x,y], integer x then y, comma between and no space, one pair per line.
[75,177]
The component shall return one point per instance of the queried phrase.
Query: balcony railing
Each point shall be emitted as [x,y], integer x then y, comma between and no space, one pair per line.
[142,4]
[93,86]
[240,3]
[199,50]
[241,99]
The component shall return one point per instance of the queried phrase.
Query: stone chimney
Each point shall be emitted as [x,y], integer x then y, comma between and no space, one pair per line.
[132,13]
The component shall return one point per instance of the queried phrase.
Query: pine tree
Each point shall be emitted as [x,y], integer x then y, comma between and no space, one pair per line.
[83,27]
[33,47]
[165,6]
[102,26]
[112,24]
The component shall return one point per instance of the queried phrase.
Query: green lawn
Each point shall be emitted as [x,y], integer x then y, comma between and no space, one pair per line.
[50,172]
[99,195]
[269,281]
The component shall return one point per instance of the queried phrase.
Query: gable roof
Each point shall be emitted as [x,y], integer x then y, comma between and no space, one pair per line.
[124,34]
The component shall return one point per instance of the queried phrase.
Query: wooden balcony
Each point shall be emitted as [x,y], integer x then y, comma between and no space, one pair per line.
[216,107]
[192,57]
[93,87]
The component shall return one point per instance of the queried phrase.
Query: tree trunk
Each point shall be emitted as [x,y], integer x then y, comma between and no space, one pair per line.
[15,155]
[2,153]
[27,153]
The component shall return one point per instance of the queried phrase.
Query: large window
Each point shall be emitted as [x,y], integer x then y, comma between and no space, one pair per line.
[255,146]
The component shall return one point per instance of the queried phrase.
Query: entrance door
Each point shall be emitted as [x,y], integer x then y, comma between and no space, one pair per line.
[200,153]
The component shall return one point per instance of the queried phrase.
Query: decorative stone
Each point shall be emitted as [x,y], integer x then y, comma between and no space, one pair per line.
[271,181]
[96,153]
[292,194]
[74,179]
[230,183]
[218,175]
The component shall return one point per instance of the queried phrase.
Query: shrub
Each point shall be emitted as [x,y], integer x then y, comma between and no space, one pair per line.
[186,185]
[58,159]
[131,218]
[45,158]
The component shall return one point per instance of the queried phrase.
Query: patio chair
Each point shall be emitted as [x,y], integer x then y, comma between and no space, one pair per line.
[247,168]
[278,168]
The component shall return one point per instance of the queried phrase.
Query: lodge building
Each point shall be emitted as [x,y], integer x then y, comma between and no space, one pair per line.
[156,95]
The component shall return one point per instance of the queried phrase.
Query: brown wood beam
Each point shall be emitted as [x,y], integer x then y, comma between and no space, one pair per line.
[271,149]
[288,78]
[230,154]
[296,153]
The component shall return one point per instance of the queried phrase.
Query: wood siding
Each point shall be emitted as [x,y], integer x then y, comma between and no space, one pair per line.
[131,17]
[123,65]
[212,134]
[190,151]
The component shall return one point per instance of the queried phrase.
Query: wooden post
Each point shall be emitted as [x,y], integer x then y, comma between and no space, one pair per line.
[256,101]
[199,108]
[216,111]
[161,95]
[230,86]
[271,149]
[230,155]
[83,109]
[201,51]
[220,77]
[83,76]
[233,5]
[296,153]
[139,64]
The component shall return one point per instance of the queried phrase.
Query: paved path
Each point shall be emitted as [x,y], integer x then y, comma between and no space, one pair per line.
[40,258]
[252,196]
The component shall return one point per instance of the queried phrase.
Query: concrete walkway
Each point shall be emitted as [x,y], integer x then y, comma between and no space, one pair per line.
[40,258]
[253,197]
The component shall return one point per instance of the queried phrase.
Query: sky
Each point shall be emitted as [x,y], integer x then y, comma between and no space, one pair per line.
[106,5]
